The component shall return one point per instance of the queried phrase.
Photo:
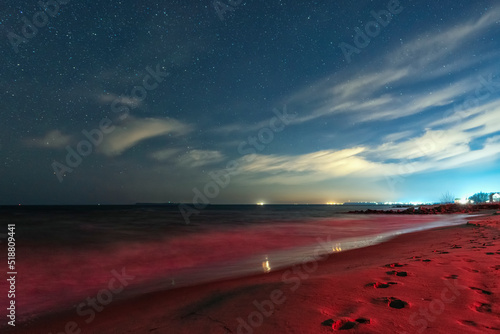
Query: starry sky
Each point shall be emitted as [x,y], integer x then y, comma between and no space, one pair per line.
[117,102]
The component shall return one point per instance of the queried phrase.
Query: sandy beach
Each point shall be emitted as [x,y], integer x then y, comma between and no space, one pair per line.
[445,280]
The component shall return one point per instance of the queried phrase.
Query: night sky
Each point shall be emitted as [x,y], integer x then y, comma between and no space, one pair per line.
[117,102]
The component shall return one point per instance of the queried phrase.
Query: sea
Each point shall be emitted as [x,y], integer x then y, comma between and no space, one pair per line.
[66,254]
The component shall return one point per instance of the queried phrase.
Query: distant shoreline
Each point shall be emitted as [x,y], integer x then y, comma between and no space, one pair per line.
[436,209]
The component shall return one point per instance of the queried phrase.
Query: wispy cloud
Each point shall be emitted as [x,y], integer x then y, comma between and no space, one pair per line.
[393,137]
[432,145]
[124,100]
[191,159]
[134,130]
[407,105]
[53,139]
[164,155]
[414,78]
[326,164]
[369,82]
[432,47]
[434,150]
[198,158]
[379,91]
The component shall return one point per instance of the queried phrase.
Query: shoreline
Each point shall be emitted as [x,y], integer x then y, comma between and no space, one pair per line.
[356,289]
[437,209]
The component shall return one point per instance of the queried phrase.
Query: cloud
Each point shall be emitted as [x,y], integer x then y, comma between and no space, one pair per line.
[454,137]
[421,101]
[477,121]
[380,91]
[311,167]
[53,139]
[192,158]
[198,158]
[354,93]
[164,155]
[369,82]
[134,130]
[363,99]
[432,145]
[129,101]
[434,150]
[398,135]
[432,47]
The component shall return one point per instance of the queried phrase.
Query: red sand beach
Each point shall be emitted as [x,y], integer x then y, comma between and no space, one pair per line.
[444,280]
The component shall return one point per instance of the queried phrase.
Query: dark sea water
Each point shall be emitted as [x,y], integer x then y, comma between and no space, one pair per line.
[66,254]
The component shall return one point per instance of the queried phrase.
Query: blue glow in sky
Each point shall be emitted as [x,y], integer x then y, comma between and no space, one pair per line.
[276,101]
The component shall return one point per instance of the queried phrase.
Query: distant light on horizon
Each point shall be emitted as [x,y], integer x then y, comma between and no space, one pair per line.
[407,203]
[261,203]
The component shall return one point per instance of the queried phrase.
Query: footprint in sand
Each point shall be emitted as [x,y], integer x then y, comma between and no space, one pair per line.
[482,307]
[451,277]
[469,322]
[394,265]
[345,323]
[380,285]
[469,260]
[397,303]
[397,273]
[419,258]
[486,292]
[391,302]
[475,324]
[363,320]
